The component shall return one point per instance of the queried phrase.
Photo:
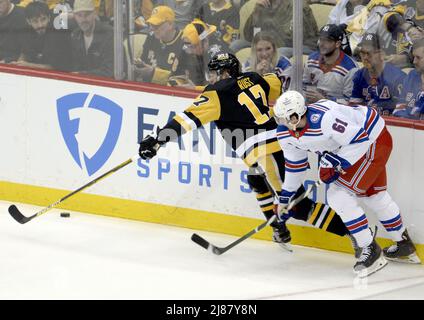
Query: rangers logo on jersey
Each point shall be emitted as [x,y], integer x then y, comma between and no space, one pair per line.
[315,118]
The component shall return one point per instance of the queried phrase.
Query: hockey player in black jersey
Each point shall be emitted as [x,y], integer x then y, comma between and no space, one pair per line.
[238,103]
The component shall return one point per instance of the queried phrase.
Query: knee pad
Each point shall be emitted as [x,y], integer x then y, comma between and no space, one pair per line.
[343,202]
[257,183]
[382,203]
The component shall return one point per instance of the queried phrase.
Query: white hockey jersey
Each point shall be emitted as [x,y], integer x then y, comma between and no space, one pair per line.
[346,131]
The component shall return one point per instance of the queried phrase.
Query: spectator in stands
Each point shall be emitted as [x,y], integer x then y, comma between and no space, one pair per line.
[328,72]
[406,14]
[105,10]
[51,3]
[412,97]
[223,15]
[12,28]
[92,42]
[377,84]
[277,16]
[265,58]
[396,31]
[44,46]
[163,53]
[185,10]
[415,33]
[201,43]
[366,20]
[345,10]
[238,3]
[142,11]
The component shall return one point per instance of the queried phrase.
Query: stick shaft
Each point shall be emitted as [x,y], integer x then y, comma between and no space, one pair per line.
[220,250]
[89,184]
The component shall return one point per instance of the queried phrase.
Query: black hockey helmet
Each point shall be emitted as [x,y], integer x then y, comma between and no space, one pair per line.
[225,61]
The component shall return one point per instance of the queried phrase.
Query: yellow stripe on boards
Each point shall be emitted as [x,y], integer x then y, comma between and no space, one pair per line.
[175,216]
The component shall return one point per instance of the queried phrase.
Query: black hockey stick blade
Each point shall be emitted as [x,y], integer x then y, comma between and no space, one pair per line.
[17,215]
[200,241]
[206,244]
[217,250]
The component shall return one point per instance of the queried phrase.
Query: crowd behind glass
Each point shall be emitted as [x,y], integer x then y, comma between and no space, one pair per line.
[355,51]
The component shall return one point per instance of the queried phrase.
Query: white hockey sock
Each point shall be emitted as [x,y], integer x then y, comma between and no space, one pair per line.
[388,213]
[358,228]
[353,216]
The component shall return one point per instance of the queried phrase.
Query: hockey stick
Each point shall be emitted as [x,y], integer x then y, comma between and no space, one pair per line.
[18,216]
[218,250]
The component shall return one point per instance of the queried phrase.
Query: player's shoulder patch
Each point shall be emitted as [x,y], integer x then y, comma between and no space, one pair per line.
[316,117]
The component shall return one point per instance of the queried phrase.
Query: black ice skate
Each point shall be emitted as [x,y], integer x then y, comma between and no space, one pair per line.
[355,246]
[356,249]
[281,234]
[402,251]
[371,260]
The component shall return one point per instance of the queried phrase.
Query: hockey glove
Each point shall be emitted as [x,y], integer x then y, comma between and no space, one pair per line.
[329,168]
[283,202]
[149,146]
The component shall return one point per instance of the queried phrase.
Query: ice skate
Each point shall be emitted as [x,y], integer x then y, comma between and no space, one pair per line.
[355,246]
[402,251]
[370,261]
[281,235]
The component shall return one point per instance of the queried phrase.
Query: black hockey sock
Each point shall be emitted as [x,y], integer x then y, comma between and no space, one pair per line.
[320,215]
[266,203]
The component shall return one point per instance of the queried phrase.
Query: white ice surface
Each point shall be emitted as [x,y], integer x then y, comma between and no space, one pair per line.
[98,257]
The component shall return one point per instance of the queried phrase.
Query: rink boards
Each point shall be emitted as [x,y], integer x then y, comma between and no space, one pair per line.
[60,132]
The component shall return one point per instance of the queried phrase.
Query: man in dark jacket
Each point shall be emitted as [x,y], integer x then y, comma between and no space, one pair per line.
[12,28]
[276,16]
[92,42]
[44,46]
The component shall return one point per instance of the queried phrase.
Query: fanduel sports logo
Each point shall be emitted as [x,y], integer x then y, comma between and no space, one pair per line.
[90,126]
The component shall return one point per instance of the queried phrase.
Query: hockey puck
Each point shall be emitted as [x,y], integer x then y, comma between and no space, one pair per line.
[65,214]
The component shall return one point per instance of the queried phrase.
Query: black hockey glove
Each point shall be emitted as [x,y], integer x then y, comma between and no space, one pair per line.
[149,146]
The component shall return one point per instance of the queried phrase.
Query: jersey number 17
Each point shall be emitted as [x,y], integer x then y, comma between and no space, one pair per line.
[258,93]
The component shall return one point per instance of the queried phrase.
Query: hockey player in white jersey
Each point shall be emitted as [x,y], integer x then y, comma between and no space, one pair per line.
[354,146]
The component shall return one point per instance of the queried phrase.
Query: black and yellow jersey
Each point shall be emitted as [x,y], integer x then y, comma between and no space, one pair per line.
[401,12]
[226,19]
[167,58]
[240,109]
